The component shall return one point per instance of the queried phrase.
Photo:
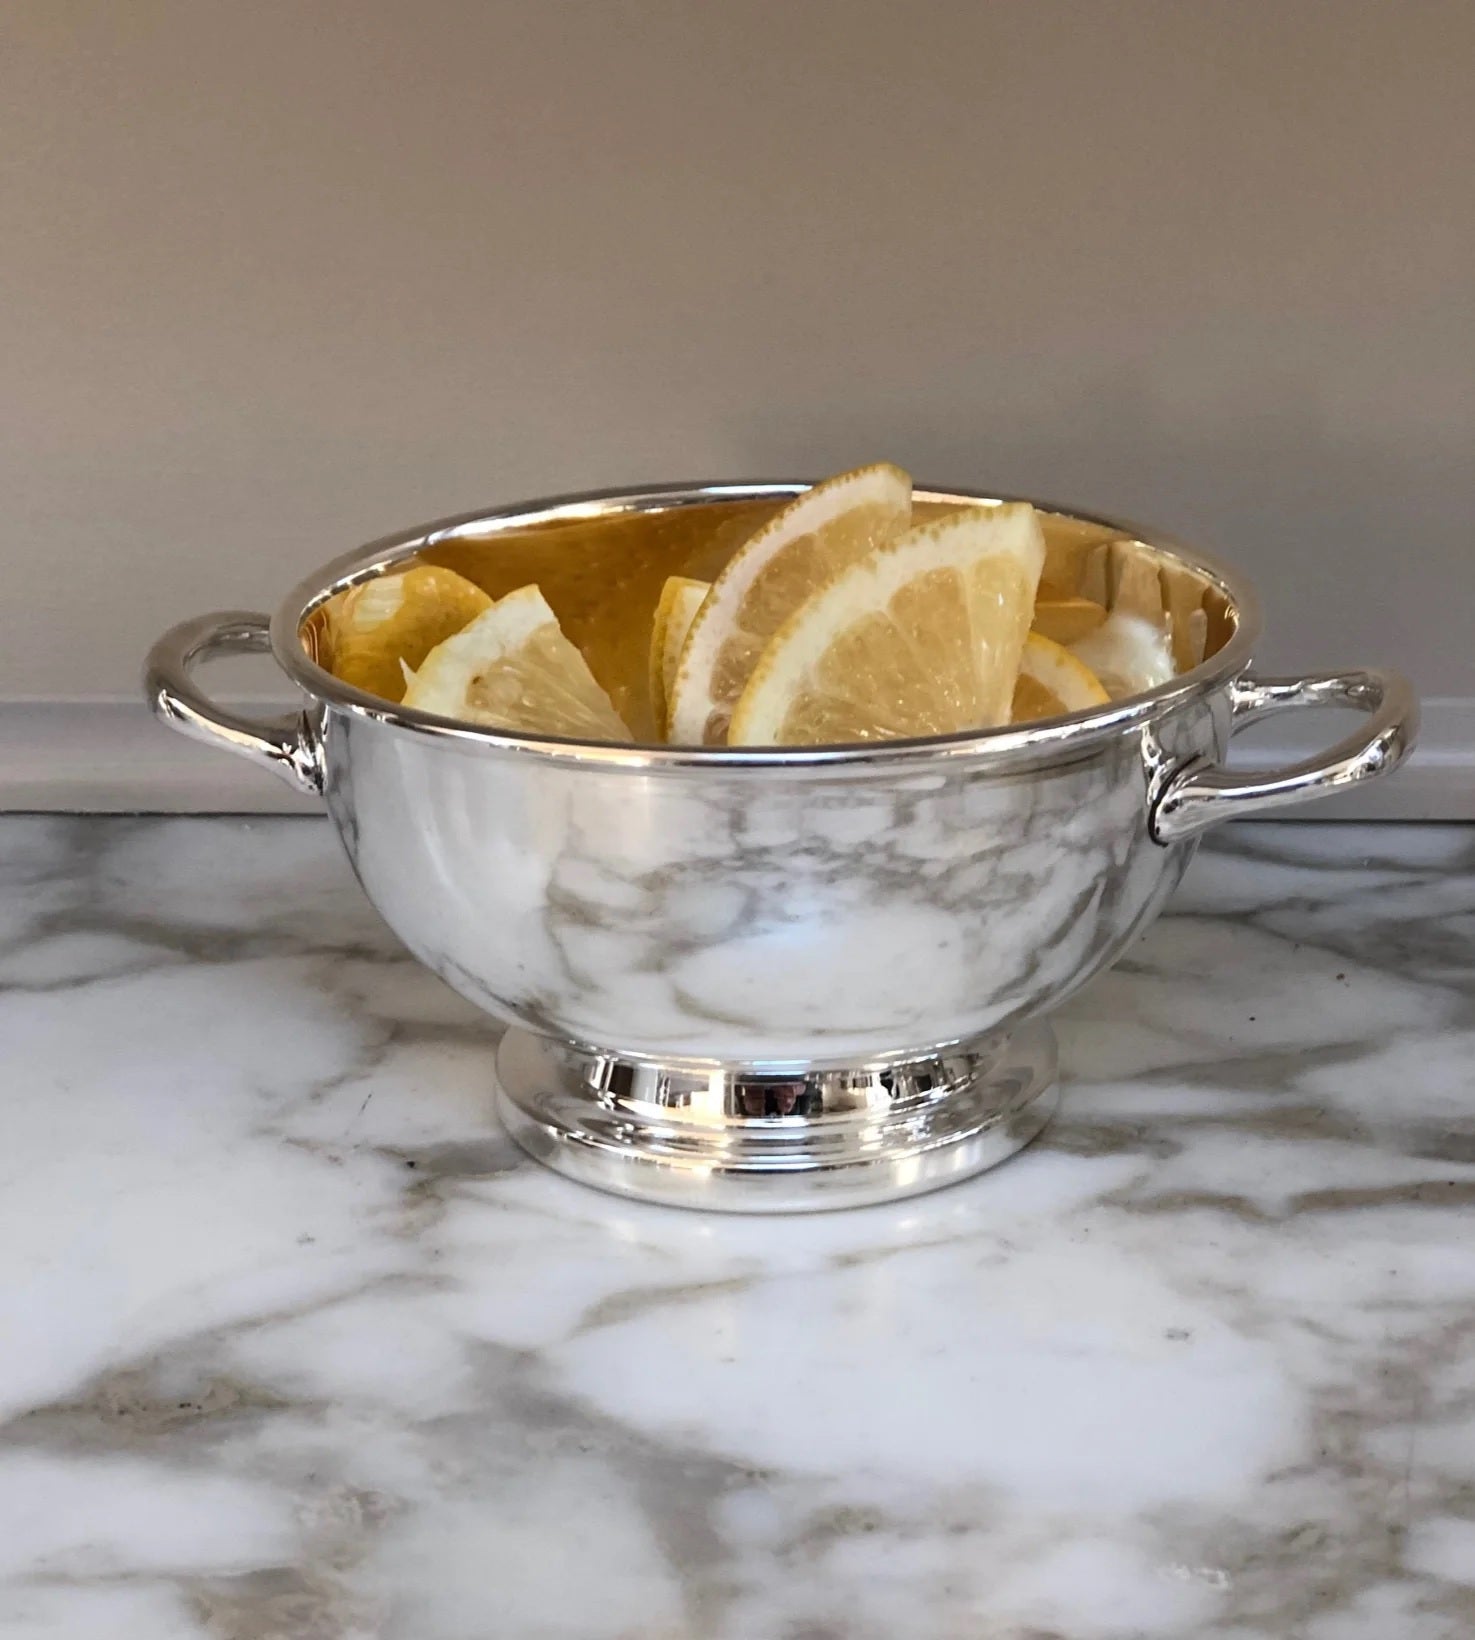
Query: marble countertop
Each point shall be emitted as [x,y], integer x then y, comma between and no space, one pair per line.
[295,1346]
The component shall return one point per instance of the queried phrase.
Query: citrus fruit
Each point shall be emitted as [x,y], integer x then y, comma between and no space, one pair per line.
[602,575]
[512,668]
[374,627]
[814,537]
[1052,682]
[922,636]
[681,598]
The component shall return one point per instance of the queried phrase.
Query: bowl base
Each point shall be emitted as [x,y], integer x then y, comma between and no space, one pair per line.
[697,1133]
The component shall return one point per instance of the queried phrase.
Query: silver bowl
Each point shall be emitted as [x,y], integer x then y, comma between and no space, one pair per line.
[771,979]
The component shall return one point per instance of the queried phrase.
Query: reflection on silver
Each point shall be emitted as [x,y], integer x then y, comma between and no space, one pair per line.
[860,930]
[1198,795]
[288,746]
[776,1142]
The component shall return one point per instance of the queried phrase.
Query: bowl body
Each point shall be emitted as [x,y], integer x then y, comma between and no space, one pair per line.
[762,909]
[822,915]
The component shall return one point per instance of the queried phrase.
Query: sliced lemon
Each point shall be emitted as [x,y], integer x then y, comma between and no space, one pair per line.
[378,626]
[602,577]
[816,536]
[923,636]
[1052,682]
[512,668]
[681,598]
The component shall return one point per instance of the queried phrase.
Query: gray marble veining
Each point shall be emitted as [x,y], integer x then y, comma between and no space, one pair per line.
[294,1344]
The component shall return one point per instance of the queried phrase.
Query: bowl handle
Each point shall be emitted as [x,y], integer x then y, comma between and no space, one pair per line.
[286,745]
[1195,795]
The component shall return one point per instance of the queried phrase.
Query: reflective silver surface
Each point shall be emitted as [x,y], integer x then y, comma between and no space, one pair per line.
[743,1142]
[1199,796]
[771,916]
[288,745]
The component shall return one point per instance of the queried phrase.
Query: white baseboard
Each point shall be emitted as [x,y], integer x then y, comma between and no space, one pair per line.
[111,757]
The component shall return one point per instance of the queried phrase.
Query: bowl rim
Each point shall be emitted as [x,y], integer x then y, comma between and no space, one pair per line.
[1052,737]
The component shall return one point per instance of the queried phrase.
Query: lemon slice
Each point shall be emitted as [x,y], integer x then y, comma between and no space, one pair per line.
[817,535]
[1128,653]
[1052,682]
[378,624]
[681,598]
[512,668]
[921,637]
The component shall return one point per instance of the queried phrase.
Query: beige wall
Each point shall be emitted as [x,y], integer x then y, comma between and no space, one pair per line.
[279,275]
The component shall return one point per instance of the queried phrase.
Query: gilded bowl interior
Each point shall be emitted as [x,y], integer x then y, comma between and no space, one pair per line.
[602,572]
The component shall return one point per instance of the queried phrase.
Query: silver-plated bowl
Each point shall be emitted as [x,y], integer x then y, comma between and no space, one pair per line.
[771,979]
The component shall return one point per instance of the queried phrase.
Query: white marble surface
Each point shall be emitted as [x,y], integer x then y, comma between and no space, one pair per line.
[293,1346]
